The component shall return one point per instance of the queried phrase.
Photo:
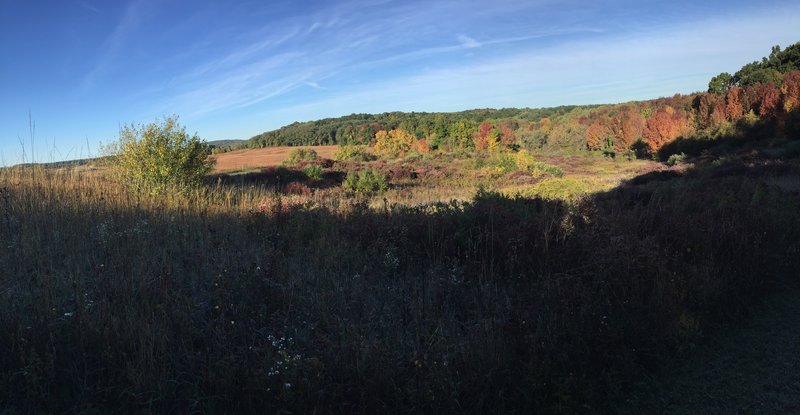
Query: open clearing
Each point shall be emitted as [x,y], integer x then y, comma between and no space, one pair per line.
[262,157]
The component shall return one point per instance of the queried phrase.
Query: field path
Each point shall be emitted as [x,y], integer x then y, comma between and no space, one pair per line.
[262,157]
[753,368]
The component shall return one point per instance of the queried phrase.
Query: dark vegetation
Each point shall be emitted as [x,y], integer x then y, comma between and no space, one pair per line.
[251,294]
[221,146]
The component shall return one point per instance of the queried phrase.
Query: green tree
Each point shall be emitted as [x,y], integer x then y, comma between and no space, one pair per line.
[161,156]
[720,84]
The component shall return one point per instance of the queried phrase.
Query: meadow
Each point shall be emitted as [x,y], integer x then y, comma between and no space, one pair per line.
[466,284]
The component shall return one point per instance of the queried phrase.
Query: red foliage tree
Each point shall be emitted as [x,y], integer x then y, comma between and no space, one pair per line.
[507,137]
[767,98]
[790,89]
[481,137]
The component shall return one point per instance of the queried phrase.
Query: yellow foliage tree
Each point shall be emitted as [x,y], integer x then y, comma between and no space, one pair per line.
[162,157]
[393,143]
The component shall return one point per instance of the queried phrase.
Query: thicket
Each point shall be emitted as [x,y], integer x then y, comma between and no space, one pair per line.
[365,181]
[350,152]
[161,157]
[296,155]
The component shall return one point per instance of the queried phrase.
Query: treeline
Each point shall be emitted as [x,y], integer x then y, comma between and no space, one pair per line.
[441,129]
[764,93]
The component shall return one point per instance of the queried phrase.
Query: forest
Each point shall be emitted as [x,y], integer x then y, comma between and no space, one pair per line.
[762,93]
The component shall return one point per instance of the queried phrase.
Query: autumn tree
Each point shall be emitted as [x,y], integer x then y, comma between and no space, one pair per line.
[626,128]
[710,110]
[567,135]
[507,137]
[768,98]
[790,89]
[598,135]
[393,143]
[485,138]
[665,126]
[734,109]
[421,146]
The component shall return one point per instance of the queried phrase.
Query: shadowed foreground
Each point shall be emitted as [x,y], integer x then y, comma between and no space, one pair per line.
[248,301]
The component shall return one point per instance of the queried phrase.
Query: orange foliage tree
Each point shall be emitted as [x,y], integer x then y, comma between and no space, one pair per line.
[507,137]
[421,146]
[485,138]
[627,127]
[734,109]
[597,135]
[664,126]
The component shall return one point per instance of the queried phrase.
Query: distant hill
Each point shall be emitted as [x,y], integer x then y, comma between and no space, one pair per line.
[62,164]
[762,98]
[226,143]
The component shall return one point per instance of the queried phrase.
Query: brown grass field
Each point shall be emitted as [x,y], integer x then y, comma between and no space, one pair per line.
[262,157]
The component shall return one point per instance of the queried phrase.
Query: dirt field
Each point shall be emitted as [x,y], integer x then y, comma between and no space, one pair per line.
[262,157]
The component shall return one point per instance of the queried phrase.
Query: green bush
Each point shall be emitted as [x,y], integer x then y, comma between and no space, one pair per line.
[297,155]
[367,181]
[353,153]
[504,163]
[568,189]
[161,157]
[313,172]
[676,159]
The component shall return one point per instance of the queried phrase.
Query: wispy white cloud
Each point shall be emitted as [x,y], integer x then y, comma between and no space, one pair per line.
[88,6]
[114,44]
[574,63]
[315,85]
[468,42]
[238,87]
[622,68]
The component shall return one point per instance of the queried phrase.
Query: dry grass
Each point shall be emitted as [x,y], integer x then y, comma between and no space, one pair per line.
[240,298]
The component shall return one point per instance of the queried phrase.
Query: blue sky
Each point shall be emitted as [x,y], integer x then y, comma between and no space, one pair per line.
[235,69]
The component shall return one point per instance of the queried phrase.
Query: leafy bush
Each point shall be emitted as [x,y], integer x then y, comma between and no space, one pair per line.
[568,189]
[314,172]
[297,155]
[367,181]
[676,159]
[353,153]
[504,163]
[161,156]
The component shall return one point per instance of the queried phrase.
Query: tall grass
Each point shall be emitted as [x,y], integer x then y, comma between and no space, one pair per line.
[240,299]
